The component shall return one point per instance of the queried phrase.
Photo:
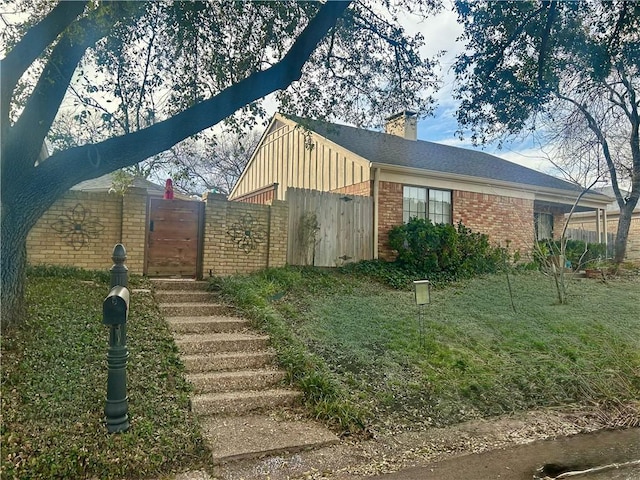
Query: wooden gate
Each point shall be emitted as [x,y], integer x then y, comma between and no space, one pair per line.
[174,238]
[328,229]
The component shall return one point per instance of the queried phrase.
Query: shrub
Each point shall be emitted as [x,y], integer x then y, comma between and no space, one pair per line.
[577,252]
[444,252]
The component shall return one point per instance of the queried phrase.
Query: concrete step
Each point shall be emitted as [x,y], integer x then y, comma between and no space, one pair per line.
[179,284]
[235,381]
[228,361]
[190,344]
[255,436]
[213,324]
[185,296]
[195,309]
[241,402]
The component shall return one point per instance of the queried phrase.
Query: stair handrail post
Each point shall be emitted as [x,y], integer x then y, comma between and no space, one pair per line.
[119,271]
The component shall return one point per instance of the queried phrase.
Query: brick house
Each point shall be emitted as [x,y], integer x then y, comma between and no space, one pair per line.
[408,177]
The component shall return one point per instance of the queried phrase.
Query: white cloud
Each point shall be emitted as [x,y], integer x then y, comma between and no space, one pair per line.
[532,158]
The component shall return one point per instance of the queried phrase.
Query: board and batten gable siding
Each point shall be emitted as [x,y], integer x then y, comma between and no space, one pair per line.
[292,157]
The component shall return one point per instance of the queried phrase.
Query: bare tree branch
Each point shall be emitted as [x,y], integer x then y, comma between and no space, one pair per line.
[593,125]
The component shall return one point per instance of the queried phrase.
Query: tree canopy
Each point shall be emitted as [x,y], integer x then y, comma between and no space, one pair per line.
[572,67]
[155,73]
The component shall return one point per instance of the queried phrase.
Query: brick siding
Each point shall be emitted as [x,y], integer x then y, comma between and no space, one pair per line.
[504,219]
[389,215]
[262,196]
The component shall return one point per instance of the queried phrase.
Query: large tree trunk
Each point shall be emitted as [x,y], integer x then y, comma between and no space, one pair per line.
[14,265]
[624,223]
[23,203]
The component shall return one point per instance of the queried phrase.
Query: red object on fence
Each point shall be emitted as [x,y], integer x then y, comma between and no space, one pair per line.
[168,189]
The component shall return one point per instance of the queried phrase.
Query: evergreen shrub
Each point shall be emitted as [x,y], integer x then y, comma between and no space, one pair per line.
[444,252]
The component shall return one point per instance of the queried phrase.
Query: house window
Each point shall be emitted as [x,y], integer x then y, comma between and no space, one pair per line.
[544,226]
[428,203]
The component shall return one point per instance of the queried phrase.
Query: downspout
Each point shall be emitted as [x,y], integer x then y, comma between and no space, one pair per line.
[598,225]
[376,192]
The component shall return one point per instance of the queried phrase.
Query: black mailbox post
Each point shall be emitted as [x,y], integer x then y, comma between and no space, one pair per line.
[115,309]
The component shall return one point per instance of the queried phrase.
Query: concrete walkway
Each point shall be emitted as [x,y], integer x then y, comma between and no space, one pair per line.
[240,396]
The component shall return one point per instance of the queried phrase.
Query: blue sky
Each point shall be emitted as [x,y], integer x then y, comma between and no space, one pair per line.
[441,33]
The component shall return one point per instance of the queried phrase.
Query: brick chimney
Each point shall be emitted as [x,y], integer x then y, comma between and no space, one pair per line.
[403,124]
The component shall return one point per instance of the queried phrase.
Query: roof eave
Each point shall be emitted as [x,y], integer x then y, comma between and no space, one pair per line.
[588,199]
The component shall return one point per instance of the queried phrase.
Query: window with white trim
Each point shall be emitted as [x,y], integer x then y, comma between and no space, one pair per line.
[428,203]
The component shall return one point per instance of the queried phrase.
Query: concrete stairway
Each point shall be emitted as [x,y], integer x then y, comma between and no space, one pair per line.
[238,392]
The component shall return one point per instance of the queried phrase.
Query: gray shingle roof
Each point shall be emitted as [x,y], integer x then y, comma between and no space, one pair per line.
[105,182]
[384,148]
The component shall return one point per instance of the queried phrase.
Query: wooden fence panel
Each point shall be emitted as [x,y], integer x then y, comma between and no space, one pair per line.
[592,237]
[328,229]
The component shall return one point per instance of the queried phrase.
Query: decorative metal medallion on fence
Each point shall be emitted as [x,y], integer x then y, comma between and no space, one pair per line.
[77,227]
[246,233]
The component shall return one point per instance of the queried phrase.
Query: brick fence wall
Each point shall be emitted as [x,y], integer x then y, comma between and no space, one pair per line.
[243,237]
[134,228]
[81,229]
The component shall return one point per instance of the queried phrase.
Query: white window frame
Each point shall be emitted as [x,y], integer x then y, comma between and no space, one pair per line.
[424,202]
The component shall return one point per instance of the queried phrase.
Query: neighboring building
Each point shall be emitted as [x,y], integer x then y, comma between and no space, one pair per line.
[408,177]
[594,225]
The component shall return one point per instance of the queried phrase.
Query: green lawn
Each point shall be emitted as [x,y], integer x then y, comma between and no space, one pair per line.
[54,386]
[350,343]
[477,357]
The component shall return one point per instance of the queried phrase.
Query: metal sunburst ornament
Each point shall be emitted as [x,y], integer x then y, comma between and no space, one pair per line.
[77,226]
[245,233]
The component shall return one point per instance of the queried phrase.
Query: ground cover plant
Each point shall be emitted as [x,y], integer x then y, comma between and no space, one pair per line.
[54,386]
[480,356]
